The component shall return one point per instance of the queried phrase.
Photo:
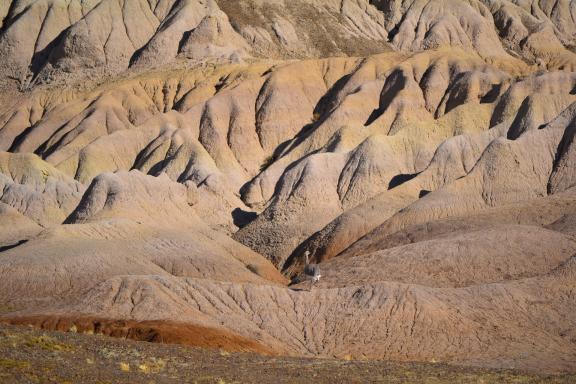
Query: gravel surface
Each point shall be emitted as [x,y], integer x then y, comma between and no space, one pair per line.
[30,355]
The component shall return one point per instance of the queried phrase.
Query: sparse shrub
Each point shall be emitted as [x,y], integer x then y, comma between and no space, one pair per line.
[156,365]
[108,354]
[144,368]
[47,343]
[152,366]
[10,363]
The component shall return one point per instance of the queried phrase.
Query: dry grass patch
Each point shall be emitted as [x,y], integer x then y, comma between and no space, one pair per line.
[47,343]
[11,363]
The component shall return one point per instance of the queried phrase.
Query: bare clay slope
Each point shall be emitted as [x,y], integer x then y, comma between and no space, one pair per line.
[170,161]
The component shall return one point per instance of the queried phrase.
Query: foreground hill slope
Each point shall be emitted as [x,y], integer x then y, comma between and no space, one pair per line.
[170,161]
[59,356]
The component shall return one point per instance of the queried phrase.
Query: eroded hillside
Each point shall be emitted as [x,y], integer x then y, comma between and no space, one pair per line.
[172,160]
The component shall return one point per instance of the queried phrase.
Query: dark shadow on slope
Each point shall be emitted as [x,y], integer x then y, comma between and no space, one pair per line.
[394,84]
[20,138]
[373,116]
[43,57]
[11,18]
[401,179]
[394,31]
[83,205]
[302,135]
[183,40]
[158,168]
[277,154]
[166,22]
[242,218]
[564,145]
[11,246]
[517,128]
[328,102]
[492,95]
[136,55]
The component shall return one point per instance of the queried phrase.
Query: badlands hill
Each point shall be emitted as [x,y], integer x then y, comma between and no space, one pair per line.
[169,162]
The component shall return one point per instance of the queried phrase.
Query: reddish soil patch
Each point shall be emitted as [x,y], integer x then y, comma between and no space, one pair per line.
[152,331]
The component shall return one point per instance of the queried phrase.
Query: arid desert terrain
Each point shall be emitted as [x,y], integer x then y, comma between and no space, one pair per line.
[166,164]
